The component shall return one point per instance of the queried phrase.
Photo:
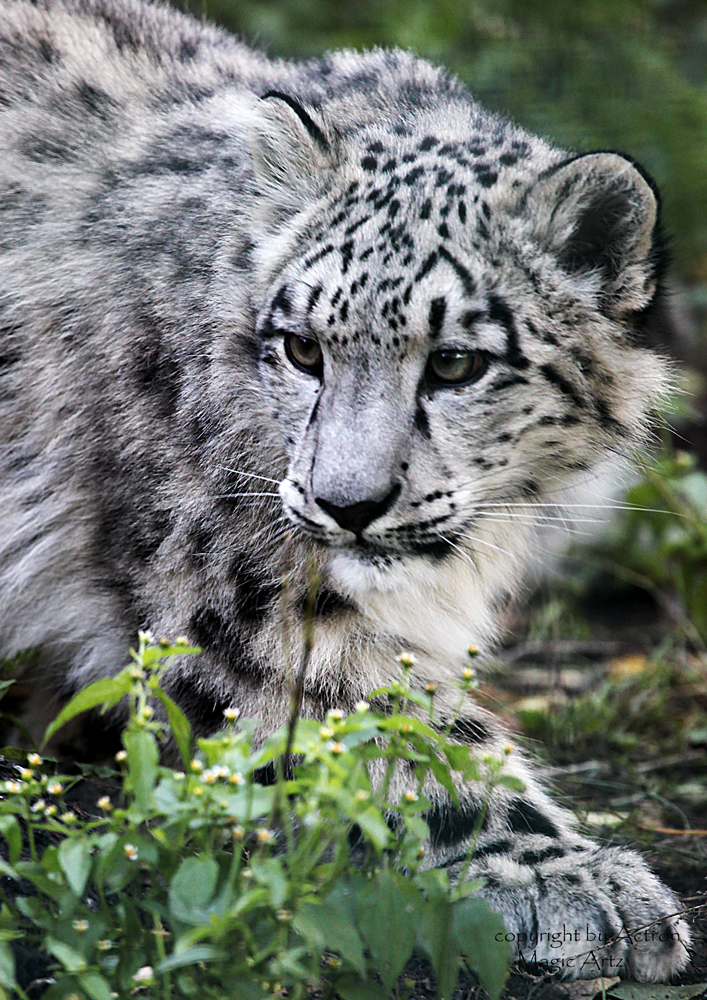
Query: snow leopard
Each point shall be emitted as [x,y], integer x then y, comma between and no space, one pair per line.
[259,316]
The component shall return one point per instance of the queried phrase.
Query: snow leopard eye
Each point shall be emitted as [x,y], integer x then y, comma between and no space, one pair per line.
[455,367]
[304,353]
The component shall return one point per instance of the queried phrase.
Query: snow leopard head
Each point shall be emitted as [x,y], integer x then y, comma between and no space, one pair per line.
[452,323]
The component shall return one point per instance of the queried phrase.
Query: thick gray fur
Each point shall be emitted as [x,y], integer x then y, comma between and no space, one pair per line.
[168,223]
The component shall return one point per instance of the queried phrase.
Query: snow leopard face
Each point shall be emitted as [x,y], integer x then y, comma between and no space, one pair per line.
[448,330]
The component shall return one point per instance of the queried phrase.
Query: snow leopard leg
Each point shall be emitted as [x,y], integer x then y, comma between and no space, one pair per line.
[568,903]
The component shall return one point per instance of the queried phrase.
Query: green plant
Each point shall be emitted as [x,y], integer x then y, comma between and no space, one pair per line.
[205,882]
[660,541]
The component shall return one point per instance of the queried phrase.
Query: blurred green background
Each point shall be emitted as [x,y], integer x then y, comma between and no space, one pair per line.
[629,75]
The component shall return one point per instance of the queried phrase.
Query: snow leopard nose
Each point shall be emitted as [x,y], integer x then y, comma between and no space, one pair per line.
[357,516]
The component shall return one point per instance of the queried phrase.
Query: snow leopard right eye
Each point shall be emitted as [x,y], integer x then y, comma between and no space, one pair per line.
[305,354]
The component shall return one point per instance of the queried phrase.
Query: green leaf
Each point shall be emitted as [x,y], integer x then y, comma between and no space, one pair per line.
[323,927]
[350,989]
[10,829]
[436,936]
[192,888]
[179,725]
[106,692]
[460,759]
[143,757]
[7,966]
[374,827]
[441,773]
[96,986]
[75,858]
[509,781]
[269,872]
[190,956]
[51,887]
[480,934]
[4,685]
[72,960]
[389,910]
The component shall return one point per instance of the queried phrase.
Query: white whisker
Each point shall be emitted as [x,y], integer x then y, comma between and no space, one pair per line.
[482,541]
[249,475]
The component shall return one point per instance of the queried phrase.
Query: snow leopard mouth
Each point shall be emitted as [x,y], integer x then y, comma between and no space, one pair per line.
[402,541]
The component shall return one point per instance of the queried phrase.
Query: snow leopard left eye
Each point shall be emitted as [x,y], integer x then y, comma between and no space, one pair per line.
[304,353]
[455,367]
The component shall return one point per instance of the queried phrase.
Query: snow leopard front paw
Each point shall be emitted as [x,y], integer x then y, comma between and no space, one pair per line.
[585,911]
[568,904]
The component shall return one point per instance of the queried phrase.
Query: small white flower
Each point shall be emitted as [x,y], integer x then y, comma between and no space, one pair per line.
[336,747]
[34,759]
[179,775]
[147,712]
[407,659]
[13,787]
[144,975]
[130,851]
[121,756]
[411,796]
[104,803]
[264,835]
[80,925]
[196,766]
[336,714]
[326,732]
[50,811]
[68,817]
[220,770]
[104,944]
[26,773]
[181,640]
[238,832]
[236,778]
[38,806]
[361,706]
[231,714]
[209,778]
[55,788]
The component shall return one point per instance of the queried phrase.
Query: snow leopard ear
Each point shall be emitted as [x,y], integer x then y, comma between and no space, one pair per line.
[291,154]
[602,217]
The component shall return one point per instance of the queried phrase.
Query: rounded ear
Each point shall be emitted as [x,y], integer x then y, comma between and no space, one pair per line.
[290,153]
[598,214]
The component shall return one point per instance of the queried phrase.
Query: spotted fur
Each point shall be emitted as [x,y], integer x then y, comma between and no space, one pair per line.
[176,210]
